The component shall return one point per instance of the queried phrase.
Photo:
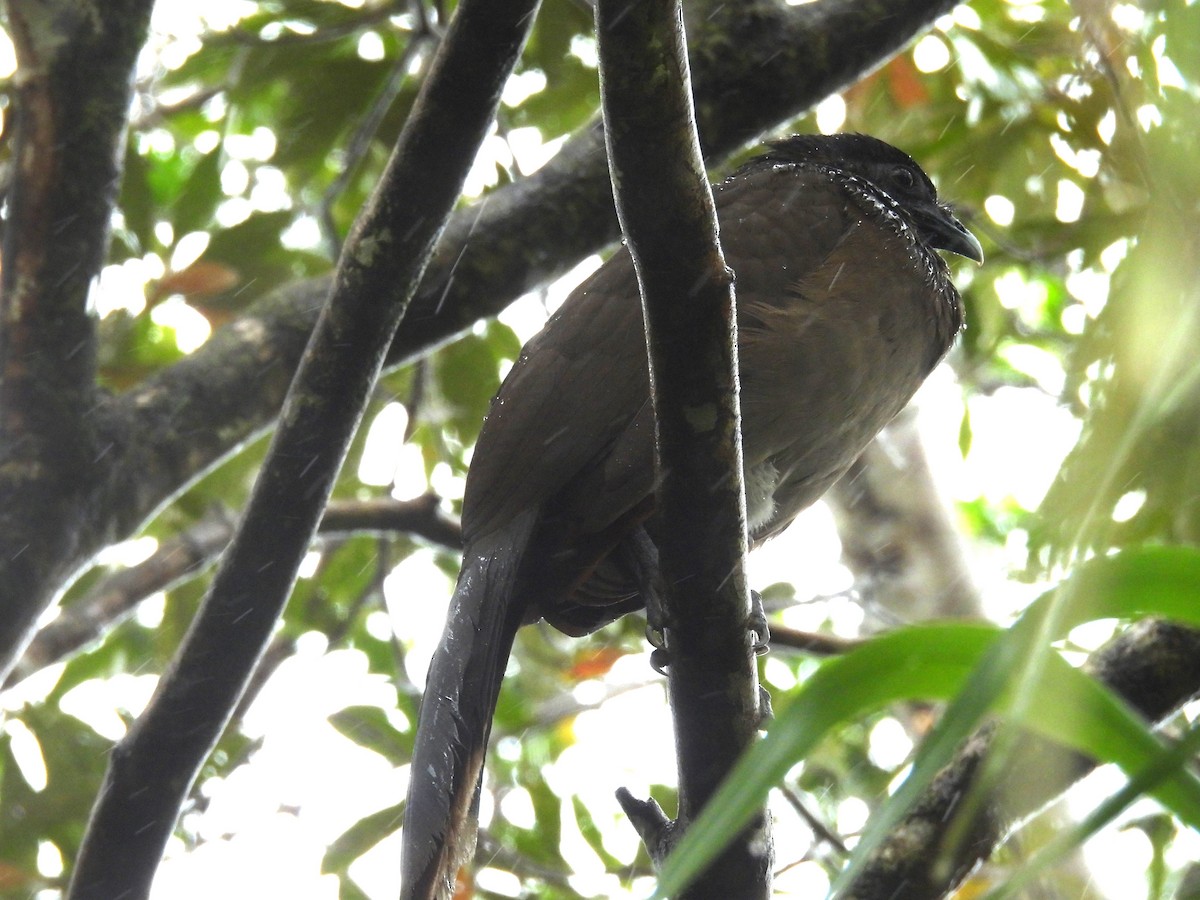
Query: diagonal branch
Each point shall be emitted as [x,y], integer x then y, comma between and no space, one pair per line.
[152,768]
[667,212]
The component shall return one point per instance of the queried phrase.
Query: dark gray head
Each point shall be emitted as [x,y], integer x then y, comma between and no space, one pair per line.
[893,173]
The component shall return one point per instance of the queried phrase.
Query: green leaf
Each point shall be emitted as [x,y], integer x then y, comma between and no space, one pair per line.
[1147,581]
[137,202]
[935,662]
[922,662]
[199,195]
[467,375]
[368,726]
[361,837]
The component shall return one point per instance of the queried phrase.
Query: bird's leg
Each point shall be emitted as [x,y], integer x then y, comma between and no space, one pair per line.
[642,557]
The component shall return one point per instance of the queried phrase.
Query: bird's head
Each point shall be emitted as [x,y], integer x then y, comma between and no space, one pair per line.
[891,172]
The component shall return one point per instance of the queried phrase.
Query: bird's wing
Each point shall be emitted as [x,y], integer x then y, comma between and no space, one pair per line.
[576,388]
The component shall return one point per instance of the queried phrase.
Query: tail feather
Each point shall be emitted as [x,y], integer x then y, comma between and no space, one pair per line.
[456,713]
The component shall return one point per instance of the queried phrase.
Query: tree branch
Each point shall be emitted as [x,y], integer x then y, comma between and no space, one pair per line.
[189,554]
[151,770]
[422,517]
[667,213]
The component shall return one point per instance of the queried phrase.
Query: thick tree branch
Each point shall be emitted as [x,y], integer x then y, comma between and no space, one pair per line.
[667,213]
[1154,666]
[72,95]
[151,770]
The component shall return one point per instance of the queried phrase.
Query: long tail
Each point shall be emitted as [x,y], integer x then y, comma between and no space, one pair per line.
[456,713]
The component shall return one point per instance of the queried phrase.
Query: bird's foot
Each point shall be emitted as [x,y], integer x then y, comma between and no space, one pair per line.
[758,633]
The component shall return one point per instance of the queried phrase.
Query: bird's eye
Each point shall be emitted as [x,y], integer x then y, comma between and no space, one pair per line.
[903,178]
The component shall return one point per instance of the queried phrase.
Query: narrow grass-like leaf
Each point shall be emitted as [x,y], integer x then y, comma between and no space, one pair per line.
[978,664]
[925,661]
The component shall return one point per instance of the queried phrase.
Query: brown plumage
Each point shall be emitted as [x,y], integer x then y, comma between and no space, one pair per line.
[843,308]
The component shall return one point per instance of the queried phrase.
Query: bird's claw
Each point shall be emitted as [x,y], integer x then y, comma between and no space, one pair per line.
[660,660]
[758,635]
[657,637]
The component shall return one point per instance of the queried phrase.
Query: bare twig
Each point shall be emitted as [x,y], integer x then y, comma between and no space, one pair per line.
[822,831]
[366,18]
[189,555]
[422,517]
[178,560]
[812,642]
[424,35]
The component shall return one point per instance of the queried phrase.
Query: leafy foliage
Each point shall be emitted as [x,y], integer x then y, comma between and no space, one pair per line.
[1067,136]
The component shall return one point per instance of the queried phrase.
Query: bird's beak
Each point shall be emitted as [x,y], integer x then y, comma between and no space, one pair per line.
[943,231]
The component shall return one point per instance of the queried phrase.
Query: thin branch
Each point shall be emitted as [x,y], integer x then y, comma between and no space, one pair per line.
[423,36]
[175,562]
[151,770]
[820,830]
[366,18]
[490,852]
[811,642]
[422,517]
[189,555]
[667,212]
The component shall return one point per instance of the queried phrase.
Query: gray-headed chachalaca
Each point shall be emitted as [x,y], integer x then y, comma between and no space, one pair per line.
[843,308]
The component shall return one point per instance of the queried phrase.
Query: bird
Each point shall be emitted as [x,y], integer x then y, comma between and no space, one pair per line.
[844,306]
